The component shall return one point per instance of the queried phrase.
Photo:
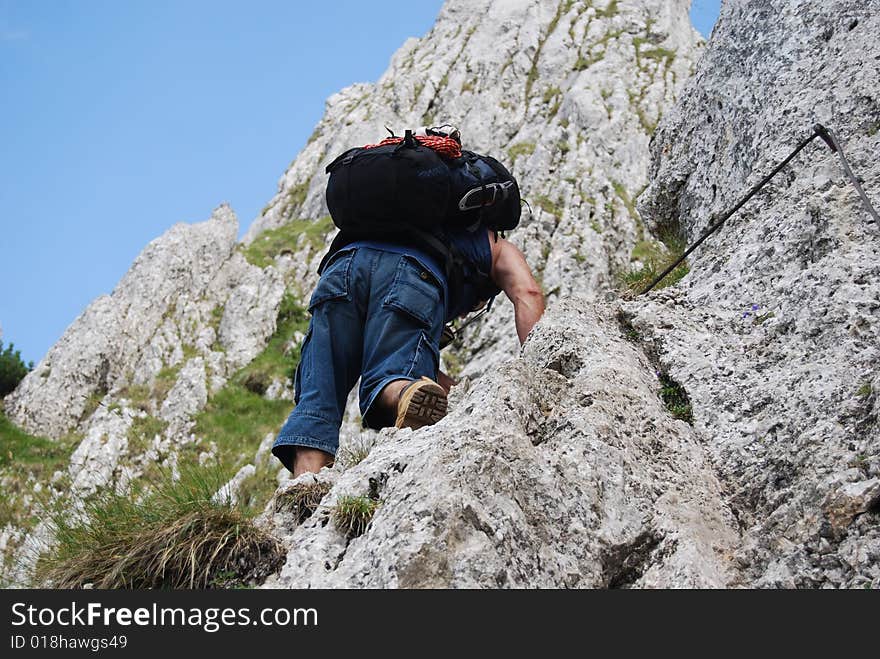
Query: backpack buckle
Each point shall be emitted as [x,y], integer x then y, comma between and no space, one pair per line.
[477,197]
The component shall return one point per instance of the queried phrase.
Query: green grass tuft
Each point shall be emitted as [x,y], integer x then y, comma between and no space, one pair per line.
[630,333]
[654,257]
[548,205]
[759,320]
[237,419]
[269,244]
[354,453]
[621,192]
[865,390]
[352,515]
[582,63]
[635,101]
[37,455]
[453,361]
[675,398]
[273,363]
[164,381]
[140,396]
[609,11]
[659,55]
[25,459]
[550,93]
[92,403]
[142,432]
[294,199]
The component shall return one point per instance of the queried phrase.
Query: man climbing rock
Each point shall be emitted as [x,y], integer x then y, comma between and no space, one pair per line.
[378,313]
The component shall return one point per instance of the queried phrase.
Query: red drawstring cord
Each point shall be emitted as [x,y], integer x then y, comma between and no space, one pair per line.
[445,146]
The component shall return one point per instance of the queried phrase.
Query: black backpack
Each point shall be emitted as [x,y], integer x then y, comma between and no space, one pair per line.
[405,191]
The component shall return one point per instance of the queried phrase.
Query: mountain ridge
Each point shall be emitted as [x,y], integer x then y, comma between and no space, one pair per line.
[720,432]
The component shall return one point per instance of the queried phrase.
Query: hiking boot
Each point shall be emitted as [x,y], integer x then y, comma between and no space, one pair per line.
[421,403]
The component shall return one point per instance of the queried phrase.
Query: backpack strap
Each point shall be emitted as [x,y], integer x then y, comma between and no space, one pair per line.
[340,241]
[453,260]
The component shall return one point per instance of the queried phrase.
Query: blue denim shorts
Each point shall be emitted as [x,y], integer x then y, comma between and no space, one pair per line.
[376,315]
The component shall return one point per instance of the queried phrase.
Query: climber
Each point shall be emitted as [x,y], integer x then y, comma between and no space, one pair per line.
[378,312]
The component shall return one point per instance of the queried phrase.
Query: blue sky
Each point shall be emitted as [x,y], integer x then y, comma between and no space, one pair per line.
[119,119]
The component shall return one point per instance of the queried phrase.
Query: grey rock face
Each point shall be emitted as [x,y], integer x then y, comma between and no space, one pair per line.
[54,395]
[246,325]
[775,332]
[160,311]
[567,94]
[188,395]
[190,312]
[560,469]
[94,461]
[121,338]
[559,465]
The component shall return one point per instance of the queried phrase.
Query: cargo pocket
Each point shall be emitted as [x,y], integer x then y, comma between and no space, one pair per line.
[416,293]
[335,282]
[426,360]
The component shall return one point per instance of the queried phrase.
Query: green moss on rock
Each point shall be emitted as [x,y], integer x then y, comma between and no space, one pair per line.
[520,149]
[271,242]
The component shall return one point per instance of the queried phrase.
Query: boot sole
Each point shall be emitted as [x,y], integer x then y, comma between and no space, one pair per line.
[422,406]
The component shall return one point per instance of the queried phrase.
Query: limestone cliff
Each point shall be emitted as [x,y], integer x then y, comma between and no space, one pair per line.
[719,432]
[557,469]
[775,332]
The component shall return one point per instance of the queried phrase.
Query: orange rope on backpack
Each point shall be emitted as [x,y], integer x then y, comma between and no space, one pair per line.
[445,146]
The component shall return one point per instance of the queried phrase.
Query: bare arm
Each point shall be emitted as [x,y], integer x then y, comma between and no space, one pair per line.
[512,274]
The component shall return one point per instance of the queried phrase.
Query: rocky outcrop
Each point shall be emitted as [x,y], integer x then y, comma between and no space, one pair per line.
[775,332]
[163,309]
[129,376]
[566,93]
[249,313]
[560,469]
[772,339]
[720,432]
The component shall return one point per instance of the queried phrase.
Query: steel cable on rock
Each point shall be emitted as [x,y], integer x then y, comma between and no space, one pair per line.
[818,131]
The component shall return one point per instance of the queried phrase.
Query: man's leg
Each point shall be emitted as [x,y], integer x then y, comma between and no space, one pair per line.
[401,334]
[328,369]
[309,459]
[390,395]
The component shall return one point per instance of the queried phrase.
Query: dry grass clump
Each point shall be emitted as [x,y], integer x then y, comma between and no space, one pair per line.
[301,500]
[355,452]
[175,535]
